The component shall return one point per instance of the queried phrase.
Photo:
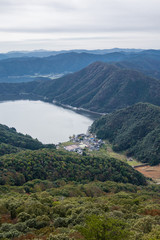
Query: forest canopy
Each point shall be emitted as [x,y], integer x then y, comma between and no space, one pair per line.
[16,169]
[135,129]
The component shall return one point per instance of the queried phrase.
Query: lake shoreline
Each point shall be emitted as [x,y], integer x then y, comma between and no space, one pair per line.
[82,111]
[86,112]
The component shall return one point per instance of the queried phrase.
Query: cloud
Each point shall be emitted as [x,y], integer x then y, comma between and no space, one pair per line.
[61,5]
[11,5]
[84,30]
[55,18]
[90,15]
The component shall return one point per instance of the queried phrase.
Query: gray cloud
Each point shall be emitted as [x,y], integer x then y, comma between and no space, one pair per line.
[53,18]
[82,29]
[12,5]
[65,6]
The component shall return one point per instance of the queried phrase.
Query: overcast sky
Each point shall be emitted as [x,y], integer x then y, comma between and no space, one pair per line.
[79,24]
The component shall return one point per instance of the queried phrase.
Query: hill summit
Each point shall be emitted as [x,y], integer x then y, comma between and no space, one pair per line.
[100,87]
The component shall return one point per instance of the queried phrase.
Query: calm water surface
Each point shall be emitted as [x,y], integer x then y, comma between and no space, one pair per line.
[47,122]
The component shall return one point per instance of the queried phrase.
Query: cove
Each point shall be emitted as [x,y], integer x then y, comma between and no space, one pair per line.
[46,122]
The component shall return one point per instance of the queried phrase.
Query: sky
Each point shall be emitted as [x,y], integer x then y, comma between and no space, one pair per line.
[79,24]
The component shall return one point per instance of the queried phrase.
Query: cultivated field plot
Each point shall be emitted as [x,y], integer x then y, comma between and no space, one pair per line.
[151,172]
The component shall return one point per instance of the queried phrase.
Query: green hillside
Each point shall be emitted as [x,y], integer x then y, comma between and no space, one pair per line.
[16,169]
[135,129]
[99,87]
[104,88]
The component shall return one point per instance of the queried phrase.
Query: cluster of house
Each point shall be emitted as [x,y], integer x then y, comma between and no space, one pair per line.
[84,141]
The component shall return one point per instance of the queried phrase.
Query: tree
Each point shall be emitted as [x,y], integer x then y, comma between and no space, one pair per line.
[101,228]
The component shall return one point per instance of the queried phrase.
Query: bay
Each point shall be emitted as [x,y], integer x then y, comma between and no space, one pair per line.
[46,122]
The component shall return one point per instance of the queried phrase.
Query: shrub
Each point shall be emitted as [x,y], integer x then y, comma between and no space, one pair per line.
[101,228]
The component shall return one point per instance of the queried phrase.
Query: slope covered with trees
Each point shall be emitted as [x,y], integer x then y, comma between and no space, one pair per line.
[147,61]
[16,169]
[135,129]
[99,87]
[103,88]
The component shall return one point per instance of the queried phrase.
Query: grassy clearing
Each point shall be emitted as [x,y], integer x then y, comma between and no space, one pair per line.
[106,151]
[134,162]
[64,144]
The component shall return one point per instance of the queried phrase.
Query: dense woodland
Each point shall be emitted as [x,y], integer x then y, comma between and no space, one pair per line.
[135,129]
[93,211]
[16,169]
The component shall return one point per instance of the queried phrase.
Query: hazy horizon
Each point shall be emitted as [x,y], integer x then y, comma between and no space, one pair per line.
[78,49]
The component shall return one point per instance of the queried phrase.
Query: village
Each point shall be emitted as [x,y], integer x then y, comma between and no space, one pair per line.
[82,142]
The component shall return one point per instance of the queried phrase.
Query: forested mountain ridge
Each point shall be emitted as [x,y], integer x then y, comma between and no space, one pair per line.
[99,87]
[103,88]
[147,61]
[135,129]
[45,164]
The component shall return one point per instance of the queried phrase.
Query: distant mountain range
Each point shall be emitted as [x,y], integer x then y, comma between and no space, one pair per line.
[147,62]
[62,63]
[100,87]
[135,129]
[44,53]
[23,68]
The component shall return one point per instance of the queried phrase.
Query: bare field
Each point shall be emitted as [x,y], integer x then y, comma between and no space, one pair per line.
[149,171]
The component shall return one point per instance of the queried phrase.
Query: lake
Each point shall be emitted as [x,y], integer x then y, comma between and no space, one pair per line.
[46,122]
